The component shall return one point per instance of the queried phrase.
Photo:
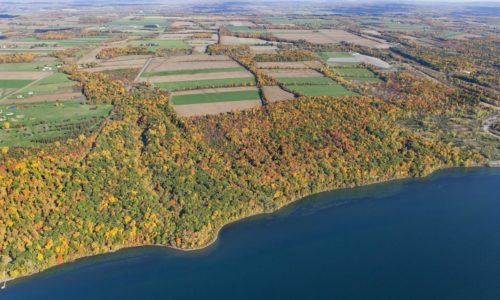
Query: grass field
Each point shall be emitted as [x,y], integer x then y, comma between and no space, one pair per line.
[360,74]
[192,71]
[72,42]
[199,84]
[160,44]
[13,83]
[135,22]
[31,66]
[215,97]
[326,55]
[305,80]
[321,90]
[246,29]
[298,21]
[448,35]
[34,123]
[55,83]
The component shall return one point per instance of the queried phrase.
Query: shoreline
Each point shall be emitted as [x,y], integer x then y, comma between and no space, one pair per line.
[488,164]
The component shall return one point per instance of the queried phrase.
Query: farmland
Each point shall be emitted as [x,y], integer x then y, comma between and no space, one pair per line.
[192,71]
[203,84]
[208,83]
[155,44]
[30,66]
[328,36]
[215,97]
[301,78]
[13,83]
[334,90]
[196,72]
[34,123]
[360,74]
[47,88]
[305,80]
[129,125]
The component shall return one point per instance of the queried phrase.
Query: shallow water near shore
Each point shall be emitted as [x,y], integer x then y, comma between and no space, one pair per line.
[432,238]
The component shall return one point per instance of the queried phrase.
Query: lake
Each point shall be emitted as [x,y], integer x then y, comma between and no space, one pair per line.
[432,238]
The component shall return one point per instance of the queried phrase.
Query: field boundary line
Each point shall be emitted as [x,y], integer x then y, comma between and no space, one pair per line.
[25,87]
[146,65]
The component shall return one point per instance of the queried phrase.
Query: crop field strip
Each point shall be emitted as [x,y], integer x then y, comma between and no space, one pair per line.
[306,80]
[200,71]
[334,90]
[14,83]
[210,83]
[359,74]
[191,71]
[301,78]
[215,97]
[198,77]
[24,67]
[154,44]
[326,55]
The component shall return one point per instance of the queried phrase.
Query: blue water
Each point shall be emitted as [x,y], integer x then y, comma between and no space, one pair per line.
[431,238]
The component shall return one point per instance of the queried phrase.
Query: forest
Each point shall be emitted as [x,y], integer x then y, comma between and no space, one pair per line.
[188,177]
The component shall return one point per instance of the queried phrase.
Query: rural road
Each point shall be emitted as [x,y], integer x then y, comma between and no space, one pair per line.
[143,68]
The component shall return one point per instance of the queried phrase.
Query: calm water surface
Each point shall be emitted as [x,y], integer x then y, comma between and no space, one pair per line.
[431,238]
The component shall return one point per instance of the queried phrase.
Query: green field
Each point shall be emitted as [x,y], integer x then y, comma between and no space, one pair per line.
[55,83]
[298,21]
[159,44]
[193,71]
[448,35]
[360,74]
[140,22]
[66,43]
[326,55]
[39,122]
[215,97]
[30,66]
[13,83]
[306,80]
[210,83]
[321,90]
[246,29]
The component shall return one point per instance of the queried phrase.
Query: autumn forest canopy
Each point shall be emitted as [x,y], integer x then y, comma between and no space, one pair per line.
[156,131]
